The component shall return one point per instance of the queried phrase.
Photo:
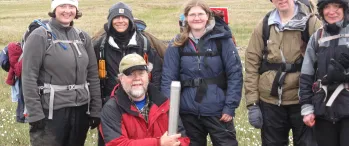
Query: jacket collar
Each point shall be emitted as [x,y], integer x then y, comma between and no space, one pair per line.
[54,23]
[298,22]
[133,41]
[154,95]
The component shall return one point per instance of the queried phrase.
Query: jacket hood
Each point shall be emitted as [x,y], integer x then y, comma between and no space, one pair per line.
[120,9]
[218,28]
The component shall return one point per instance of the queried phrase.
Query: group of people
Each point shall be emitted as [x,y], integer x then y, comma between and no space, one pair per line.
[295,74]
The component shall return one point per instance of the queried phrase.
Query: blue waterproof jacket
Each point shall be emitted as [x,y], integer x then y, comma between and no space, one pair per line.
[216,102]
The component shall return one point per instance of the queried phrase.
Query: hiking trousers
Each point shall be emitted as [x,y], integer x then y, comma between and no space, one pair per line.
[68,127]
[332,134]
[279,120]
[197,128]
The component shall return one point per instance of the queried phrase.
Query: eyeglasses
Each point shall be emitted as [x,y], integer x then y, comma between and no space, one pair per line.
[200,15]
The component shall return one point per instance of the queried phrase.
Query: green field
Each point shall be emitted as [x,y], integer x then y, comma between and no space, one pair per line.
[162,21]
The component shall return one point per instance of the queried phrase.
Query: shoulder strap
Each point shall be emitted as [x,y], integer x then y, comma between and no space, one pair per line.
[81,34]
[305,34]
[219,46]
[48,33]
[266,29]
[101,47]
[265,35]
[145,43]
[317,38]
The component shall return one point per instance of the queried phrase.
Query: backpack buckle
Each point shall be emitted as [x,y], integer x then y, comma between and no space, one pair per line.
[197,82]
[70,87]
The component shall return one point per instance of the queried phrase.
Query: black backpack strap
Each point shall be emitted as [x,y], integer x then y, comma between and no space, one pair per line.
[146,43]
[305,34]
[219,46]
[101,47]
[266,29]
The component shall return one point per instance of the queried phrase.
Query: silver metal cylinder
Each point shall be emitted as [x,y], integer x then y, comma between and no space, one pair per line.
[174,107]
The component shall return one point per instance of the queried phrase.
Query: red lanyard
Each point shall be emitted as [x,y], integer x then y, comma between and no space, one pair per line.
[191,42]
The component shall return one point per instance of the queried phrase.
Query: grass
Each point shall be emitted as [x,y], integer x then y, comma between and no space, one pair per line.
[162,21]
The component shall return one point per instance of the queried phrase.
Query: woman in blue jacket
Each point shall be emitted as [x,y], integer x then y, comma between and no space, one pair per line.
[205,60]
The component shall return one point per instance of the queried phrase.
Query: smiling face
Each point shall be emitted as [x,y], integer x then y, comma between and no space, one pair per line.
[197,18]
[120,23]
[65,13]
[284,5]
[333,12]
[135,84]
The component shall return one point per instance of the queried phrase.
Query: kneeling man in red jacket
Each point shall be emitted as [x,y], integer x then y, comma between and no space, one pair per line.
[137,115]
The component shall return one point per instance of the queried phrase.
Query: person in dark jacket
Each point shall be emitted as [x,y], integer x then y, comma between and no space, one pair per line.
[138,114]
[60,80]
[119,38]
[324,77]
[204,58]
[122,38]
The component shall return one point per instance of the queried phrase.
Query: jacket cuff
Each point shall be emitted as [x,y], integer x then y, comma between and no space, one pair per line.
[307,109]
[35,118]
[229,111]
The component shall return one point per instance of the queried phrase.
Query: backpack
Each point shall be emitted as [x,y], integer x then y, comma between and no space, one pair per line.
[4,59]
[50,35]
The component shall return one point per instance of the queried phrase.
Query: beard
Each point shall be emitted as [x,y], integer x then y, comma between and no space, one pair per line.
[135,92]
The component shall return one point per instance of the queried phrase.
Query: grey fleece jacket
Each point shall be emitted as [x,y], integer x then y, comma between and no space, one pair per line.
[47,62]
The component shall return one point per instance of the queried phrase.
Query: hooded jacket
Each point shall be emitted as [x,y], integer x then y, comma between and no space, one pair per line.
[315,66]
[215,101]
[113,53]
[48,62]
[258,87]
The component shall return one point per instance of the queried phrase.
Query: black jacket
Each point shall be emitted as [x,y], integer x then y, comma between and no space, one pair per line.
[113,55]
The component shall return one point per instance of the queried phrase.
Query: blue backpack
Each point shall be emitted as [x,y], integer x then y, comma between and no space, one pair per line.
[4,59]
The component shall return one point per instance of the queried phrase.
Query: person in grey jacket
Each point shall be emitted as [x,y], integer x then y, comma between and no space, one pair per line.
[60,80]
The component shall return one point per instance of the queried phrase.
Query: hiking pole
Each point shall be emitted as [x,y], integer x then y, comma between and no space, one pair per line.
[174,107]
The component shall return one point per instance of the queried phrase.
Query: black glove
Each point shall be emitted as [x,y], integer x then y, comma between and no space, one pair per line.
[255,116]
[94,122]
[37,125]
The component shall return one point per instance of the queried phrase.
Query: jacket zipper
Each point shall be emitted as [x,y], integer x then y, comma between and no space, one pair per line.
[76,68]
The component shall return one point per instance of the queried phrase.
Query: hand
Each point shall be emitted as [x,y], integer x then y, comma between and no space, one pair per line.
[34,126]
[172,140]
[38,124]
[255,116]
[309,120]
[94,122]
[226,118]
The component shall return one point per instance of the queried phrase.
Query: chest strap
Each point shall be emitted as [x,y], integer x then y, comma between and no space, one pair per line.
[282,70]
[332,37]
[74,42]
[202,84]
[51,89]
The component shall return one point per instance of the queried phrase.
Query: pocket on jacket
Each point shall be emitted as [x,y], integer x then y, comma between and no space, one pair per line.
[319,104]
[265,83]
